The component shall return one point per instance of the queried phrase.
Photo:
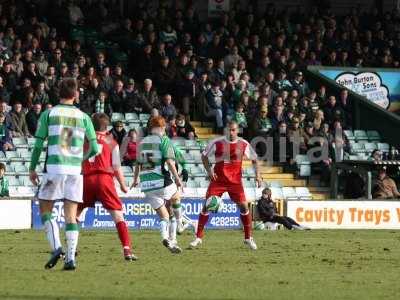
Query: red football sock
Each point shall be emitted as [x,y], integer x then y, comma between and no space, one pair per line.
[246,220]
[123,234]
[203,219]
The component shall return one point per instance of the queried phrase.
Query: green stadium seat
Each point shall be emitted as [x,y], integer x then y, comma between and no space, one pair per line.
[276,193]
[303,165]
[144,117]
[196,155]
[126,170]
[369,147]
[384,147]
[373,136]
[131,117]
[197,171]
[191,184]
[20,142]
[13,181]
[249,183]
[31,142]
[117,117]
[356,148]
[11,155]
[289,193]
[360,135]
[192,145]
[349,135]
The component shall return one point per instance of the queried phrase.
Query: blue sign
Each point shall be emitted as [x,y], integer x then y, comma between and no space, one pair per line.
[380,86]
[140,215]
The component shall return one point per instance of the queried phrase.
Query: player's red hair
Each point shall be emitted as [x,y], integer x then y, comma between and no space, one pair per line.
[157,122]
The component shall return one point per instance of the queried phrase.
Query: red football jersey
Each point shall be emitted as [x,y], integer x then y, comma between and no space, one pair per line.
[108,158]
[228,158]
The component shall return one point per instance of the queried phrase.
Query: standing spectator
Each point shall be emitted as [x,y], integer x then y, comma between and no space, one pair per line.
[32,118]
[3,182]
[214,103]
[129,148]
[18,122]
[107,81]
[165,76]
[186,92]
[132,100]
[103,105]
[118,131]
[167,109]
[5,135]
[148,97]
[117,97]
[10,77]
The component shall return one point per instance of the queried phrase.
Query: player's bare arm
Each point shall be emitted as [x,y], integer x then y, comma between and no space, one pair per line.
[256,166]
[136,176]
[207,166]
[171,166]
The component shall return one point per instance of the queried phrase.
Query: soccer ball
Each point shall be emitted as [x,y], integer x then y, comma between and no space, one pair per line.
[214,204]
[259,226]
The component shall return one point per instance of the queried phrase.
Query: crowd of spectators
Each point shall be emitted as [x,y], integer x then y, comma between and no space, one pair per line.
[246,65]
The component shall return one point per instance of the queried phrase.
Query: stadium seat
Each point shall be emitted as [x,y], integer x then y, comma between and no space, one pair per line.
[276,193]
[127,170]
[21,169]
[144,118]
[274,184]
[188,157]
[197,171]
[131,117]
[11,155]
[360,135]
[191,145]
[373,136]
[349,135]
[13,181]
[178,142]
[13,191]
[249,172]
[356,148]
[196,155]
[117,117]
[384,147]
[303,193]
[20,142]
[303,165]
[191,184]
[289,193]
[25,191]
[369,147]
[249,184]
[31,142]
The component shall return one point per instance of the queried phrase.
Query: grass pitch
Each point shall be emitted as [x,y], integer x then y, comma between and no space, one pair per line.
[288,265]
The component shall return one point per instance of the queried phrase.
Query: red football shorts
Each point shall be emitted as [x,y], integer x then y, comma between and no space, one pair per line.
[235,191]
[100,187]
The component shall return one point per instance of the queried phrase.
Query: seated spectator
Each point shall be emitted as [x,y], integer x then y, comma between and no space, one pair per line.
[131,101]
[184,128]
[186,91]
[167,109]
[282,150]
[103,104]
[117,96]
[4,108]
[148,98]
[3,182]
[239,116]
[129,148]
[268,213]
[118,131]
[261,125]
[41,95]
[171,130]
[308,135]
[385,187]
[19,128]
[214,103]
[5,135]
[32,118]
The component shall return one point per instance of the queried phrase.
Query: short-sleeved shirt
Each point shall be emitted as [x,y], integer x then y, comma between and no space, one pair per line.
[228,158]
[108,158]
[154,150]
[65,127]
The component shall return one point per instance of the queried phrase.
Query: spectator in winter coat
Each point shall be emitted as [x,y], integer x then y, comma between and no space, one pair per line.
[5,135]
[118,131]
[18,121]
[214,102]
[184,128]
[167,109]
[148,97]
[32,118]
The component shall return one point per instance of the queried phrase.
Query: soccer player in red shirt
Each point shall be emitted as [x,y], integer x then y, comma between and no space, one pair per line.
[98,181]
[226,176]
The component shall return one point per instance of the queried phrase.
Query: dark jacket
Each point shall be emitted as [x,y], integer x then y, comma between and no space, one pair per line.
[118,136]
[32,119]
[266,209]
[148,101]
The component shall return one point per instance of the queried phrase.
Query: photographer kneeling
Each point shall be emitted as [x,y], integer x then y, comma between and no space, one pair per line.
[267,211]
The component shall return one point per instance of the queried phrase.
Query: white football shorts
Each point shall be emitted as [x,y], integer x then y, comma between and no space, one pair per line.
[55,187]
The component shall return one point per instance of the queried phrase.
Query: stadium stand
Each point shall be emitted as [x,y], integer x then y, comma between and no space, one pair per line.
[208,68]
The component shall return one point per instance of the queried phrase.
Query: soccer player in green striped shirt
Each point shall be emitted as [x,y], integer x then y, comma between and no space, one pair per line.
[156,166]
[65,128]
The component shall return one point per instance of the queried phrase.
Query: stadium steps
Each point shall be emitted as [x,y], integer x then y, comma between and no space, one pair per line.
[320,196]
[268,176]
[204,130]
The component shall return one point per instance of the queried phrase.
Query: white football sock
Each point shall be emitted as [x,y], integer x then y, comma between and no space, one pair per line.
[164,224]
[71,234]
[177,208]
[172,229]
[52,234]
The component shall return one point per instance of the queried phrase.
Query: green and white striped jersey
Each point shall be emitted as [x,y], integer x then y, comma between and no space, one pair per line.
[153,152]
[65,127]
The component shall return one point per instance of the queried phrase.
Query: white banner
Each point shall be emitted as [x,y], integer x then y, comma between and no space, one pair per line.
[346,214]
[15,214]
[216,7]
